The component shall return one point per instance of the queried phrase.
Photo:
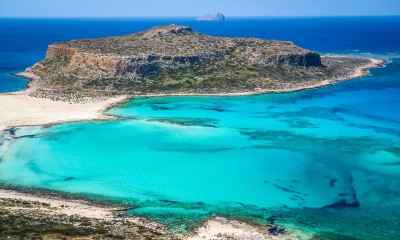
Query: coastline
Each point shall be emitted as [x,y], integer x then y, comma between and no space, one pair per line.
[89,215]
[359,73]
[18,109]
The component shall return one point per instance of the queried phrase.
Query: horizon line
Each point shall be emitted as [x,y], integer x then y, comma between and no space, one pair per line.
[228,16]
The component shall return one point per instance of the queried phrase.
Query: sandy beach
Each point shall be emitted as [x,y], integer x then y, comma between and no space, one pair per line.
[20,109]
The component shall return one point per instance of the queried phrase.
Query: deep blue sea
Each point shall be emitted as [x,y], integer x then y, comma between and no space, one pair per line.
[326,161]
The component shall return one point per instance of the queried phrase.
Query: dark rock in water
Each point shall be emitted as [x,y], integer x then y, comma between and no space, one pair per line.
[168,201]
[332,182]
[11,131]
[276,231]
[69,178]
[272,219]
[212,17]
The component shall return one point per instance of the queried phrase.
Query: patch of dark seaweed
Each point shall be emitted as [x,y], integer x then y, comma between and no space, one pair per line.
[300,123]
[276,231]
[202,122]
[286,189]
[343,204]
[332,182]
[376,129]
[310,112]
[158,108]
[215,109]
[337,145]
[69,178]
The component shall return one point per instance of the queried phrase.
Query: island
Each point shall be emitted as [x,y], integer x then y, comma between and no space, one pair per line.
[176,60]
[212,17]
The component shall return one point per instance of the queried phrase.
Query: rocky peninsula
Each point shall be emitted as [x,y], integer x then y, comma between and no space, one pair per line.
[176,60]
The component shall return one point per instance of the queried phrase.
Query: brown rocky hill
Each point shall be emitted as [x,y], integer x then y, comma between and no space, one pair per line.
[175,59]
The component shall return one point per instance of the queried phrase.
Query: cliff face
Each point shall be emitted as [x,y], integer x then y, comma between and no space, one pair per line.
[172,57]
[156,49]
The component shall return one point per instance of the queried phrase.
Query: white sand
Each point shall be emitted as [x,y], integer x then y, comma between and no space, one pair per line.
[19,109]
[59,206]
[221,228]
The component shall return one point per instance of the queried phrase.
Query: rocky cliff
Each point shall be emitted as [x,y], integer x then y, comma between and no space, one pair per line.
[176,59]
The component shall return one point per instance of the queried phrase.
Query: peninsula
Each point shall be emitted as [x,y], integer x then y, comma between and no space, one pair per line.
[176,60]
[79,79]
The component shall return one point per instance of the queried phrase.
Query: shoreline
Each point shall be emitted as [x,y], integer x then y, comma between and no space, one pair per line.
[18,109]
[37,204]
[359,73]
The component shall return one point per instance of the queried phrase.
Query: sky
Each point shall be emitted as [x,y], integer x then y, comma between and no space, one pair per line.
[165,8]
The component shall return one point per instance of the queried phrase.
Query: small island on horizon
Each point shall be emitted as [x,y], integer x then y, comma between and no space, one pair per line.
[212,17]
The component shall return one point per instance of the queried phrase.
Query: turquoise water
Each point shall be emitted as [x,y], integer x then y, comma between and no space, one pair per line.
[324,160]
[319,155]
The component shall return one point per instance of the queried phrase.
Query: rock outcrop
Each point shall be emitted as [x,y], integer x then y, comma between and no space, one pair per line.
[178,59]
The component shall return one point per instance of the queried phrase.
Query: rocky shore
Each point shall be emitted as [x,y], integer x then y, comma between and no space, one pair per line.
[46,215]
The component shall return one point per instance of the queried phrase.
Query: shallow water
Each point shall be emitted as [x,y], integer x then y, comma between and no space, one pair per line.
[314,155]
[324,160]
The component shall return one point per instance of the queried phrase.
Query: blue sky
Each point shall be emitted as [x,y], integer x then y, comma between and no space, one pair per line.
[140,8]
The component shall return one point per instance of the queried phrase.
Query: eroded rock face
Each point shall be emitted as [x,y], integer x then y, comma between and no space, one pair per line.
[60,51]
[311,59]
[194,48]
[164,52]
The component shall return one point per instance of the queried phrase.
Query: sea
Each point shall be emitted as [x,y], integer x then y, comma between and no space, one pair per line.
[325,161]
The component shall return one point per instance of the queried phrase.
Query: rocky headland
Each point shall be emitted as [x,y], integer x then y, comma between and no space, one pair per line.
[177,60]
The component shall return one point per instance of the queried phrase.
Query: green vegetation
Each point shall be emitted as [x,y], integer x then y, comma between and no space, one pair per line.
[175,59]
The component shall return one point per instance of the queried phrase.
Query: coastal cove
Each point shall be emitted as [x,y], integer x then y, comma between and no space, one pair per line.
[318,161]
[178,127]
